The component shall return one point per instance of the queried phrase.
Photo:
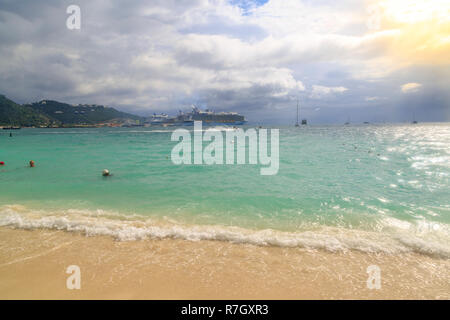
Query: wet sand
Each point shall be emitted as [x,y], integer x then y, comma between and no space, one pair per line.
[33,265]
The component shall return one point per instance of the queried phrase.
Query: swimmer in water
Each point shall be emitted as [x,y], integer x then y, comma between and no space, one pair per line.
[106,173]
[31,163]
[2,163]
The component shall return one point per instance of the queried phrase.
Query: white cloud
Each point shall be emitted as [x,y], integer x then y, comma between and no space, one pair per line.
[319,92]
[284,17]
[410,87]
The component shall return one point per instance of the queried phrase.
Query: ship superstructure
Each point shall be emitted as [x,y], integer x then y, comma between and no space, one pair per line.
[208,117]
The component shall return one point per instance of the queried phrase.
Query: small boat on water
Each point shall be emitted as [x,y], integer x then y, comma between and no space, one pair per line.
[11,128]
[304,121]
[414,118]
[348,121]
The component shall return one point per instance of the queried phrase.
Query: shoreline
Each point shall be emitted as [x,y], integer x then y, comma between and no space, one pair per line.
[399,237]
[33,265]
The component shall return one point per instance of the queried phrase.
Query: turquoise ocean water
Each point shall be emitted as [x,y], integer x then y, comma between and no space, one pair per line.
[374,188]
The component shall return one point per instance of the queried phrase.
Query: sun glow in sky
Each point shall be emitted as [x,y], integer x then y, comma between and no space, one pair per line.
[421,28]
[414,11]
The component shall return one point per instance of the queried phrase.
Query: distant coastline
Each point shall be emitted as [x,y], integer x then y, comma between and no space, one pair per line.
[54,114]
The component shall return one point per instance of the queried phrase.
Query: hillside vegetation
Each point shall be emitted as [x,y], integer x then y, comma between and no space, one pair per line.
[13,114]
[50,113]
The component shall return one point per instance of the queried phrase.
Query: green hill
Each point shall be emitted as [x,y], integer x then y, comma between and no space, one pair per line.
[80,114]
[13,114]
[48,112]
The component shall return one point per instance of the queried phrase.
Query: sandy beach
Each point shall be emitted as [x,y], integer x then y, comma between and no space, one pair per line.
[33,266]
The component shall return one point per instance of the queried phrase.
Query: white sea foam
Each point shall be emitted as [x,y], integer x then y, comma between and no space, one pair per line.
[395,237]
[67,132]
[219,128]
[141,131]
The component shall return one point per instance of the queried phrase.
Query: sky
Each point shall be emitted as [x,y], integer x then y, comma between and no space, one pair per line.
[377,61]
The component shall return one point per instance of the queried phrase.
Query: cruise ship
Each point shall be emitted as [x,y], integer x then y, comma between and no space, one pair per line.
[208,117]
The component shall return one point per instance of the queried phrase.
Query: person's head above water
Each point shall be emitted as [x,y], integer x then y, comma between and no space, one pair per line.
[2,163]
[105,172]
[31,163]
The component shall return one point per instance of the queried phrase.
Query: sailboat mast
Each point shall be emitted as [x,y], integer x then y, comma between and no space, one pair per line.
[296,124]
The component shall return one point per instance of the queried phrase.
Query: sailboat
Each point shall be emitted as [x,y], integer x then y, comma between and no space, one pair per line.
[304,121]
[414,118]
[348,121]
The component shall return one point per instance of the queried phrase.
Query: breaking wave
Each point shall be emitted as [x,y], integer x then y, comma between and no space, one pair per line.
[395,237]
